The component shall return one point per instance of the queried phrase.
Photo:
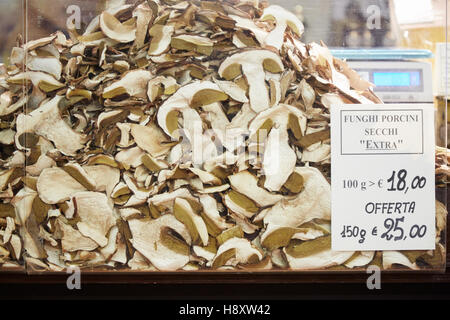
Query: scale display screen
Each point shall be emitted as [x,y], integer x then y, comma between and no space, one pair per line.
[394,80]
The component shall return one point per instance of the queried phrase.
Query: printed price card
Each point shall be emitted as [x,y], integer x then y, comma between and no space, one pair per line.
[382,177]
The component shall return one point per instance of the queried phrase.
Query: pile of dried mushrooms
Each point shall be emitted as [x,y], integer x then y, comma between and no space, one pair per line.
[176,135]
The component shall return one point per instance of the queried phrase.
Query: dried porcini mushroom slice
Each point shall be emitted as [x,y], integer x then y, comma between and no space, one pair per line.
[197,44]
[279,158]
[253,64]
[133,83]
[47,122]
[236,251]
[146,238]
[184,212]
[116,30]
[187,97]
[283,19]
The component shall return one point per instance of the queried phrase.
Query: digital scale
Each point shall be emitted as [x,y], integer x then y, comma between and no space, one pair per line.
[397,75]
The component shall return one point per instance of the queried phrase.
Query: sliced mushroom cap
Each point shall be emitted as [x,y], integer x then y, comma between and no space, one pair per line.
[283,19]
[236,251]
[42,80]
[187,97]
[72,239]
[312,203]
[96,215]
[133,83]
[116,30]
[146,239]
[279,158]
[247,184]
[253,64]
[55,185]
[46,121]
[151,139]
[315,254]
[184,212]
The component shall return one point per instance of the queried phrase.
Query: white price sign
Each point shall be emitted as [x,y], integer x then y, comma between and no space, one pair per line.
[382,177]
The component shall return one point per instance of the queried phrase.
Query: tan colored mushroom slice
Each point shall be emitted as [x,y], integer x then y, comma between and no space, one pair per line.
[236,251]
[312,203]
[315,254]
[96,214]
[246,183]
[240,204]
[79,174]
[46,121]
[161,38]
[49,65]
[146,238]
[308,94]
[133,83]
[194,43]
[31,45]
[55,185]
[283,19]
[253,64]
[211,215]
[116,30]
[279,158]
[184,212]
[233,90]
[143,14]
[248,24]
[7,136]
[360,259]
[192,95]
[42,80]
[151,139]
[131,157]
[391,258]
[72,239]
[104,177]
[205,176]
[6,103]
[161,85]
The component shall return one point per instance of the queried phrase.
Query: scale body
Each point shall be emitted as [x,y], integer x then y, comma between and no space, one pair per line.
[397,75]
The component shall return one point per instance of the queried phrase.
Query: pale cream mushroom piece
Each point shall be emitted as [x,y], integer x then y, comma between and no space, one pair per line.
[232,90]
[6,103]
[360,259]
[183,101]
[134,83]
[146,238]
[104,177]
[117,30]
[323,259]
[283,19]
[248,24]
[184,213]
[155,88]
[211,212]
[49,65]
[42,80]
[314,202]
[72,240]
[247,184]
[396,257]
[161,38]
[96,214]
[46,121]
[253,64]
[236,251]
[55,185]
[201,45]
[279,158]
[144,15]
[151,139]
[7,136]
